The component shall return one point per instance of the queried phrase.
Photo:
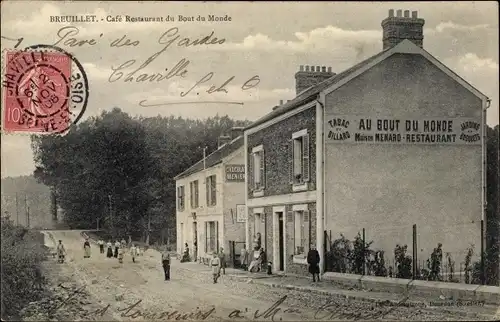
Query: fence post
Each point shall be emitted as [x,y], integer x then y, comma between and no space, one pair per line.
[364,254]
[414,275]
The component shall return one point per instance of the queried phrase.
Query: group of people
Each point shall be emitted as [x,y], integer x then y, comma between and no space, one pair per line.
[257,261]
[119,249]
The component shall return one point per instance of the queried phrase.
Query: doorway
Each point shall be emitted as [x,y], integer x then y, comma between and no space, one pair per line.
[281,246]
[195,241]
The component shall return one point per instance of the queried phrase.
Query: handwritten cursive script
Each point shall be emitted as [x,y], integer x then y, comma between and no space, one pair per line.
[167,39]
[270,313]
[133,312]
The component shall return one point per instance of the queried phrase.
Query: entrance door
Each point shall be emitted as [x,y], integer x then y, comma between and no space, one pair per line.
[281,246]
[195,240]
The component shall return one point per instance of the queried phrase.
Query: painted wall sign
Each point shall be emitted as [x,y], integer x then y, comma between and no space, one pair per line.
[370,130]
[241,215]
[235,172]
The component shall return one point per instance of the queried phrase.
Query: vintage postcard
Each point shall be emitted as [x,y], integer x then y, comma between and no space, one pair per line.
[254,161]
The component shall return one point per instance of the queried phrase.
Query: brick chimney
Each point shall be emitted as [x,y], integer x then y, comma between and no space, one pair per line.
[223,139]
[311,75]
[402,26]
[236,131]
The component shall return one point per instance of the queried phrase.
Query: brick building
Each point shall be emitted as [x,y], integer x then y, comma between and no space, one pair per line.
[210,200]
[395,140]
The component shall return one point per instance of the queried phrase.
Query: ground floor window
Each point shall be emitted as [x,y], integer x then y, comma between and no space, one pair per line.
[212,236]
[300,242]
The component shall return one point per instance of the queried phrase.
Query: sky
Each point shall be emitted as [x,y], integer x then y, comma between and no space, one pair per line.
[270,40]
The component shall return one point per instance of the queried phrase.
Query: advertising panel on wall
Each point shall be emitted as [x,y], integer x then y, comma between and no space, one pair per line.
[235,172]
[380,130]
[241,213]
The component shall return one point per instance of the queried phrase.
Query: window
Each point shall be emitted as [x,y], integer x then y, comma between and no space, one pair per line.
[212,236]
[180,198]
[211,189]
[300,164]
[257,168]
[301,232]
[193,187]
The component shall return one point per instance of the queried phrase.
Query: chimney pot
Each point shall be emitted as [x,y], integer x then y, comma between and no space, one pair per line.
[329,69]
[323,69]
[391,13]
[318,68]
[281,102]
[307,68]
[301,68]
[397,29]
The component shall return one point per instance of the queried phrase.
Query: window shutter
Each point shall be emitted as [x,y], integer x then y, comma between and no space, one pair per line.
[262,170]
[307,230]
[250,173]
[217,236]
[291,156]
[206,236]
[305,155]
[196,196]
[207,190]
[214,190]
[289,216]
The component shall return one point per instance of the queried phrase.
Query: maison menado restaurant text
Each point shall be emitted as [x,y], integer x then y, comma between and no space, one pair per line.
[358,129]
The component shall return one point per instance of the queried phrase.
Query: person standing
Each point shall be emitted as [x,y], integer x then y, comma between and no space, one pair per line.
[109,245]
[244,258]
[123,243]
[61,251]
[117,247]
[222,257]
[133,252]
[313,261]
[100,242]
[215,264]
[120,255]
[86,248]
[165,261]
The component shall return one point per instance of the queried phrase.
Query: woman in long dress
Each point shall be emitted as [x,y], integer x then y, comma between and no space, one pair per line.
[215,264]
[117,247]
[109,245]
[86,249]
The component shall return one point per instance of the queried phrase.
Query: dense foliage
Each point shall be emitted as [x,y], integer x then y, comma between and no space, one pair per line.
[119,170]
[22,255]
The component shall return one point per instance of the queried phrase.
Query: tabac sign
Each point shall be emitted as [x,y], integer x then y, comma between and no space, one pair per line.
[235,172]
[369,130]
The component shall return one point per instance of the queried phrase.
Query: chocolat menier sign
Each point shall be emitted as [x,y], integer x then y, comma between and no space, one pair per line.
[235,172]
[370,130]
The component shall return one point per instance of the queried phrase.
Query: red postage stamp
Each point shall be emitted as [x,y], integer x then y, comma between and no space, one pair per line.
[36,92]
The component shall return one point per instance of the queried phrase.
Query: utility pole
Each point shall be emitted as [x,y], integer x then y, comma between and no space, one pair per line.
[111,216]
[27,209]
[17,211]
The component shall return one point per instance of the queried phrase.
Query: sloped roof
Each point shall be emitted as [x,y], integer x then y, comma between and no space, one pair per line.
[214,158]
[312,92]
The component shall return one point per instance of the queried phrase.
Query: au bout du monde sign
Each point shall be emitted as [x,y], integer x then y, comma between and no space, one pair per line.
[235,172]
[370,130]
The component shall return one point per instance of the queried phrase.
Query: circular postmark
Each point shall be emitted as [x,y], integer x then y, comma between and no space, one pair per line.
[46,90]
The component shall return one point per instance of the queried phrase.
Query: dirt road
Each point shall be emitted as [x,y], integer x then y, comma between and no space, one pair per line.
[137,291]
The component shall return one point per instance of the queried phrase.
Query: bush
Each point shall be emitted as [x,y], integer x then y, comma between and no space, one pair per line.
[468,268]
[359,255]
[403,262]
[22,280]
[339,255]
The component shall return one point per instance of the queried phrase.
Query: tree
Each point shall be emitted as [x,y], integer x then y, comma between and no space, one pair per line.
[492,211]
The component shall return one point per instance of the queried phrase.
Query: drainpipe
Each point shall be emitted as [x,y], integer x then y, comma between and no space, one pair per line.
[245,154]
[486,105]
[320,185]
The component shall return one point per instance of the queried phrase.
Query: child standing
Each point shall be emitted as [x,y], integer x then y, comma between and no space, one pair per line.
[215,264]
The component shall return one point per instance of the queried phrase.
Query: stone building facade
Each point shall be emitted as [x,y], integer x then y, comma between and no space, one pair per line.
[394,141]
